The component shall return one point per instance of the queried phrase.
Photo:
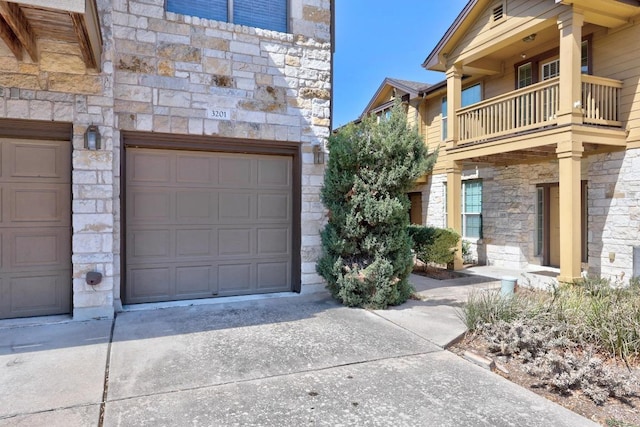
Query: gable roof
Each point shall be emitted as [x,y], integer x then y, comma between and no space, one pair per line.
[607,13]
[434,58]
[410,87]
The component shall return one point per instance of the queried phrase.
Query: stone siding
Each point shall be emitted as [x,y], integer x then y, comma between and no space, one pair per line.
[510,207]
[613,200]
[163,72]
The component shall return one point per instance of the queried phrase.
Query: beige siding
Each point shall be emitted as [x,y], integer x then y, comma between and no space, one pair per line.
[433,123]
[520,15]
[616,58]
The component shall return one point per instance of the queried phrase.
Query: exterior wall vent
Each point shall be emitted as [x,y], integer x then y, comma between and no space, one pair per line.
[498,13]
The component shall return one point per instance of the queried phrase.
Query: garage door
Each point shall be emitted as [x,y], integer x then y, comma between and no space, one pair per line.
[35,214]
[201,224]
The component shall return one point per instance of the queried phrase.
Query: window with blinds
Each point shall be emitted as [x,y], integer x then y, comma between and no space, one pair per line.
[266,14]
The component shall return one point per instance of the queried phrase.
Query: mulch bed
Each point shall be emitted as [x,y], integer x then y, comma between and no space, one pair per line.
[438,273]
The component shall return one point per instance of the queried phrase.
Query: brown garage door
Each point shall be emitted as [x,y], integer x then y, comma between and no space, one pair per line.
[203,224]
[35,214]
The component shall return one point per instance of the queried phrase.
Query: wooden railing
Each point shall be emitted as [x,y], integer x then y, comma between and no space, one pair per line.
[536,107]
[600,100]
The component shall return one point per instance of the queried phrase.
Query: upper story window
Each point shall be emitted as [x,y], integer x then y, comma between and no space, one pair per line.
[585,68]
[550,69]
[383,114]
[525,75]
[540,68]
[470,95]
[266,14]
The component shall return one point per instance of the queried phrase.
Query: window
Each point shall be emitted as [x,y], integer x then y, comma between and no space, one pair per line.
[267,14]
[584,58]
[525,75]
[550,69]
[444,127]
[536,69]
[470,95]
[472,209]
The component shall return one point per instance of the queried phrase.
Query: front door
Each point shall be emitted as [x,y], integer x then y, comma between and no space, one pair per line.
[415,213]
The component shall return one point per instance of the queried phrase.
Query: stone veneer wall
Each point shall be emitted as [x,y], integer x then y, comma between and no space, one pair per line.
[162,72]
[59,88]
[613,199]
[433,201]
[170,70]
[509,212]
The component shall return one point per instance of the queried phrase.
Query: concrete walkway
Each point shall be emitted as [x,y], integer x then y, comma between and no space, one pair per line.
[288,361]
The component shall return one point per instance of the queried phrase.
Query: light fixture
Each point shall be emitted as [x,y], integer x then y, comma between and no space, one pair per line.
[523,55]
[318,154]
[529,38]
[92,138]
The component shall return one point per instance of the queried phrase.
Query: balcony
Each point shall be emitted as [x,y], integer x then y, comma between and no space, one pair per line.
[535,108]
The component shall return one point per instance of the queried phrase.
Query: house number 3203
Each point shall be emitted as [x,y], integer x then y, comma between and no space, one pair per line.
[219,114]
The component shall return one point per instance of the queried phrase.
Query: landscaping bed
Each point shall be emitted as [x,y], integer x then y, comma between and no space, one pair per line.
[438,273]
[577,345]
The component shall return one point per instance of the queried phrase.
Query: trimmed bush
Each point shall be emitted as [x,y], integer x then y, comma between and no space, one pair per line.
[366,257]
[434,245]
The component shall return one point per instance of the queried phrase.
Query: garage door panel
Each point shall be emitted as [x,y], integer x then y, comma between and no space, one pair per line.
[235,242]
[147,167]
[196,281]
[272,275]
[274,207]
[34,248]
[234,278]
[235,172]
[196,207]
[149,283]
[196,170]
[273,241]
[149,205]
[195,243]
[217,232]
[150,243]
[38,203]
[35,295]
[26,161]
[274,173]
[235,206]
[35,228]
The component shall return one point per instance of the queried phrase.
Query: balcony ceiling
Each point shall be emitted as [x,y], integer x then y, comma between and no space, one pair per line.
[607,13]
[24,22]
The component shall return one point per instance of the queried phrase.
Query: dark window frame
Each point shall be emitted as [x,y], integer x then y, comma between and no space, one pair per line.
[537,60]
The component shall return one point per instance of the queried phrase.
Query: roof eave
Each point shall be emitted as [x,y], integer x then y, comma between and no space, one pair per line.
[435,57]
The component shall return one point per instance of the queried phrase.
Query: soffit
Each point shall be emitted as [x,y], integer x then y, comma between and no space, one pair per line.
[23,23]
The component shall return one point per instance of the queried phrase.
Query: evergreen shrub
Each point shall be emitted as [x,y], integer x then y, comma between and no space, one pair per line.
[434,245]
[366,258]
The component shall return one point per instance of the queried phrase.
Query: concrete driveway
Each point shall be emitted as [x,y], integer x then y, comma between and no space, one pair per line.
[290,361]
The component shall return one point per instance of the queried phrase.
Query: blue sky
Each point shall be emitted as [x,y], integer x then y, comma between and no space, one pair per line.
[381,38]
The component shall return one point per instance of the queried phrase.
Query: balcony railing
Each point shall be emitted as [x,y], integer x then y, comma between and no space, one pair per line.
[536,107]
[600,100]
